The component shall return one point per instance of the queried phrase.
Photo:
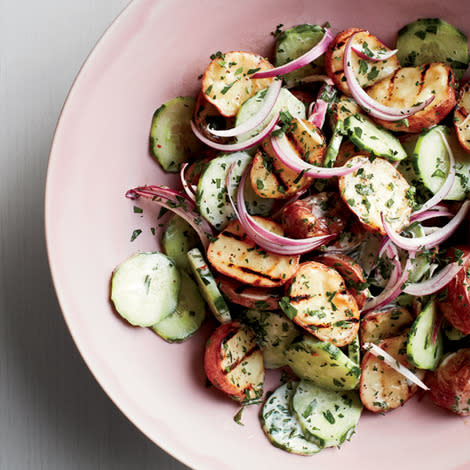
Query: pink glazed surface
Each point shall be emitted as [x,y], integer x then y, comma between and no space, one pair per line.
[153,52]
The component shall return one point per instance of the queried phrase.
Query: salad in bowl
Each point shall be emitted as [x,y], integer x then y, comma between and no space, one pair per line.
[323,222]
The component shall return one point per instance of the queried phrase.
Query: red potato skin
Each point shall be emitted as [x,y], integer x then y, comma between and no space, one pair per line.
[351,272]
[239,293]
[213,358]
[308,218]
[454,300]
[450,383]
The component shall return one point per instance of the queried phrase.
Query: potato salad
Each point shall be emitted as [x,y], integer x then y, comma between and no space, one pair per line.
[320,227]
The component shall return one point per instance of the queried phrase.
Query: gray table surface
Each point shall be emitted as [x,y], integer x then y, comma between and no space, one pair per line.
[53,415]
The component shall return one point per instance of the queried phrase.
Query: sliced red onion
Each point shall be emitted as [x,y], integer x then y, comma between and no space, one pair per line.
[289,157]
[178,203]
[373,107]
[383,246]
[268,104]
[393,288]
[436,283]
[376,56]
[264,238]
[430,214]
[189,189]
[386,247]
[305,59]
[385,357]
[309,79]
[448,183]
[239,145]
[317,117]
[428,241]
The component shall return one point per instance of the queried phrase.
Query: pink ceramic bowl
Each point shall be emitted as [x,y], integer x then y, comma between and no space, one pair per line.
[155,51]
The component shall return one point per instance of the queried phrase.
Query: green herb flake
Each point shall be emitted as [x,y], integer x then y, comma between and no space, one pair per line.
[287,308]
[329,417]
[135,234]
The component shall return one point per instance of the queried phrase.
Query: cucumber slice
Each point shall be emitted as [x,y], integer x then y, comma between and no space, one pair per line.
[323,363]
[422,262]
[431,162]
[280,424]
[433,40]
[334,144]
[421,352]
[207,286]
[285,102]
[177,239]
[295,42]
[366,135]
[354,351]
[274,332]
[145,288]
[172,142]
[407,169]
[211,197]
[452,333]
[326,417]
[187,317]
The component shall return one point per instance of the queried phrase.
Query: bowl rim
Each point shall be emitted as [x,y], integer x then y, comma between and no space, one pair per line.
[178,454]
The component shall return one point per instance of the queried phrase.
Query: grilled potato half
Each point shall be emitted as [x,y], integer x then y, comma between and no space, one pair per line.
[383,388]
[227,81]
[272,179]
[411,85]
[323,305]
[366,71]
[234,363]
[235,255]
[377,188]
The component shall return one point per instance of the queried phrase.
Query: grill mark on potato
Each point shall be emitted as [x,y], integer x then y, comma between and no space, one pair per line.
[462,112]
[342,43]
[230,335]
[236,236]
[296,145]
[299,298]
[422,80]
[229,369]
[391,84]
[317,326]
[253,271]
[273,171]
